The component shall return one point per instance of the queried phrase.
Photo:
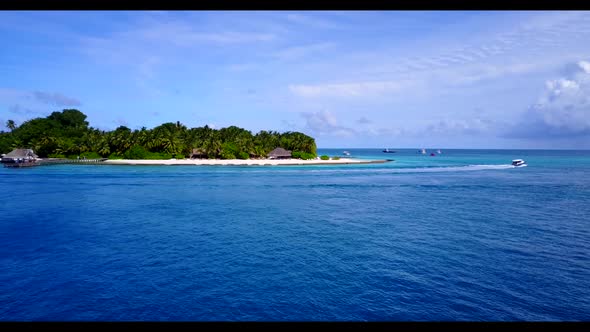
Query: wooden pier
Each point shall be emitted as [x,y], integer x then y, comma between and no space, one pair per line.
[55,161]
[60,161]
[21,164]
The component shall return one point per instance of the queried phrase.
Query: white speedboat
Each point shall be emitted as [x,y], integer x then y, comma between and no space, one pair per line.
[346,153]
[518,163]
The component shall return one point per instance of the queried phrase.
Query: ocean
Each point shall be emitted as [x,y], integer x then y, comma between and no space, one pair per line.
[459,236]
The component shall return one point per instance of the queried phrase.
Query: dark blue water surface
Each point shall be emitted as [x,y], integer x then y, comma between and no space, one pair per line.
[459,236]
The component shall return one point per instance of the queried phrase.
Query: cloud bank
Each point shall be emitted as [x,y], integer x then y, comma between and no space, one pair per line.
[562,111]
[55,98]
[324,123]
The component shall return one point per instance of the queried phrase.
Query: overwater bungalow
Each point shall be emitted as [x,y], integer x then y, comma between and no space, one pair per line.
[279,153]
[20,158]
[19,155]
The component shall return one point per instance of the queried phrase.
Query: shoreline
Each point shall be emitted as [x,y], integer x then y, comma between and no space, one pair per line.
[241,162]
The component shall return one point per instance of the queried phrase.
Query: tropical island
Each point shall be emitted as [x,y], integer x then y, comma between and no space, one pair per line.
[67,135]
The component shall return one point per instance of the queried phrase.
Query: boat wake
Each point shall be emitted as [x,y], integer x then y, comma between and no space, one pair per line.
[380,170]
[452,168]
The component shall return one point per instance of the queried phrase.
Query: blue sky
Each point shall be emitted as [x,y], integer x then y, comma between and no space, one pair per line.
[433,79]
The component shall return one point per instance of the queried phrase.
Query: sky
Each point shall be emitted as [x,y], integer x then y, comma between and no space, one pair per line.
[350,79]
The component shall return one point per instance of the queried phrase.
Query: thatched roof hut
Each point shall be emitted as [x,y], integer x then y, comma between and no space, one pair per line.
[23,154]
[197,153]
[279,153]
[19,155]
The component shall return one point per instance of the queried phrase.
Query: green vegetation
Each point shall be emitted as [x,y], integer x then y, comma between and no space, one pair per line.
[67,134]
[90,155]
[303,155]
[335,158]
[325,157]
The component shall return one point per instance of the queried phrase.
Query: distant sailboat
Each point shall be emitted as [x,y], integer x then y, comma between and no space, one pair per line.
[423,151]
[438,151]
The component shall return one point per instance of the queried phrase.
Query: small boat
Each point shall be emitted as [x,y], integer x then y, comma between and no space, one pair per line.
[423,151]
[389,151]
[438,151]
[432,154]
[518,163]
[346,153]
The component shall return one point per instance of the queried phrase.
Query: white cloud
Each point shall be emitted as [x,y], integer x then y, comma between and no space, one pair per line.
[23,102]
[143,41]
[383,132]
[295,52]
[585,65]
[363,120]
[353,89]
[471,126]
[55,98]
[325,123]
[185,34]
[145,46]
[241,67]
[308,20]
[21,110]
[436,79]
[320,120]
[562,111]
[493,57]
[147,66]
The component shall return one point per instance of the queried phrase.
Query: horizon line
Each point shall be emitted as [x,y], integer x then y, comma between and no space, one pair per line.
[367,148]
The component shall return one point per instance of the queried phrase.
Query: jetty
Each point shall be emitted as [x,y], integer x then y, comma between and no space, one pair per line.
[54,161]
[21,164]
[61,161]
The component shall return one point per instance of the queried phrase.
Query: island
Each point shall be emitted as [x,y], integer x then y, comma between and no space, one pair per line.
[240,162]
[66,135]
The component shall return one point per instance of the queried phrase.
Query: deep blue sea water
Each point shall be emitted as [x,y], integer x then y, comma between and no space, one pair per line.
[461,236]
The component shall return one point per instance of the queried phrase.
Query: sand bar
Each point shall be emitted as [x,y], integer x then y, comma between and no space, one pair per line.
[242,162]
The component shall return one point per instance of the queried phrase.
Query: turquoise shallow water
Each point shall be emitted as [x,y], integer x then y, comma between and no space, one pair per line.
[458,236]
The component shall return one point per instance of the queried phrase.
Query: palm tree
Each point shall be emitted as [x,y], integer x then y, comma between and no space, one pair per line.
[258,151]
[10,124]
[16,144]
[142,137]
[121,140]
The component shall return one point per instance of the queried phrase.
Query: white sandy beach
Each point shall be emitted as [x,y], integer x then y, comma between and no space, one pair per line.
[242,162]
